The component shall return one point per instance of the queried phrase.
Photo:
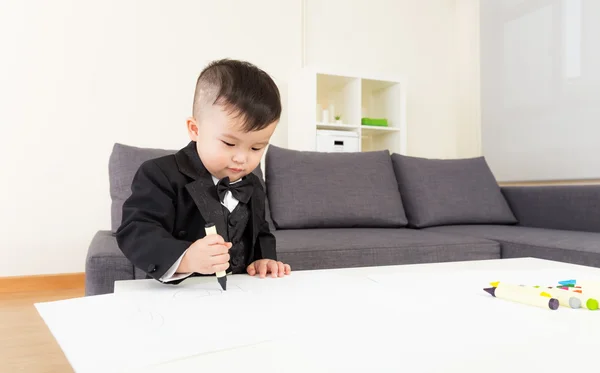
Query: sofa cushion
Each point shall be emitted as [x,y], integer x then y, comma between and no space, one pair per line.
[517,242]
[332,190]
[456,191]
[123,164]
[105,264]
[359,247]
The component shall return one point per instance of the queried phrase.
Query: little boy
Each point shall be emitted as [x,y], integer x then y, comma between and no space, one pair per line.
[235,111]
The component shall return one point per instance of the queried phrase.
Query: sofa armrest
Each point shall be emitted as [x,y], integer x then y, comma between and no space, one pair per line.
[568,207]
[105,264]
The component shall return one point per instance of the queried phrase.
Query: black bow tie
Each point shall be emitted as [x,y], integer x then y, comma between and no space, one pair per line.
[241,190]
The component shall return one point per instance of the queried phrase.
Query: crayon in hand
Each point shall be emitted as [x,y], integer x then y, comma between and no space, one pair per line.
[222,275]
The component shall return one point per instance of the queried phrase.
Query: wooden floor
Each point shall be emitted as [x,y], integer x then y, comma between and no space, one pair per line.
[26,344]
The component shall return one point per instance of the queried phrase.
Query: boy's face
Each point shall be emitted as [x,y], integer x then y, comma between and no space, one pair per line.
[224,148]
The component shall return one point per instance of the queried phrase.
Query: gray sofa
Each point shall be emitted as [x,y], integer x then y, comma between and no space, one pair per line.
[370,209]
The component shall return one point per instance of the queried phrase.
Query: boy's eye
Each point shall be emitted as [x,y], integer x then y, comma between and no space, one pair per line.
[226,143]
[256,149]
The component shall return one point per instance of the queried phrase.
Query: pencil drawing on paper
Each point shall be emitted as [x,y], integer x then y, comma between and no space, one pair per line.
[201,293]
[145,318]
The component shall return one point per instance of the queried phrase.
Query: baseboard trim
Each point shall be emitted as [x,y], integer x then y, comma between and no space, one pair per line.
[63,281]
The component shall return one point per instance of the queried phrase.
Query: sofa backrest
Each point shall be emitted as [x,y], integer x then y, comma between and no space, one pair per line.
[332,190]
[124,162]
[450,191]
[376,189]
[367,189]
[566,207]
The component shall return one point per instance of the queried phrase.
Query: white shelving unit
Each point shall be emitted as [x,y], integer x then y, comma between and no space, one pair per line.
[353,96]
[336,126]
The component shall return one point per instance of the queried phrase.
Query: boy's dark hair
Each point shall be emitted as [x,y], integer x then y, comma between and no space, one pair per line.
[242,89]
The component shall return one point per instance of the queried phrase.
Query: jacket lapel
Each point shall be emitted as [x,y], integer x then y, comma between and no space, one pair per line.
[254,210]
[205,197]
[202,189]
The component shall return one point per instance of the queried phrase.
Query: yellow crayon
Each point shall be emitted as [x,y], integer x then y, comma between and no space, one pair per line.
[523,295]
[496,283]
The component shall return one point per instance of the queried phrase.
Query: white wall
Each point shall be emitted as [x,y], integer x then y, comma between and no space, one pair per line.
[468,80]
[77,76]
[541,89]
[423,40]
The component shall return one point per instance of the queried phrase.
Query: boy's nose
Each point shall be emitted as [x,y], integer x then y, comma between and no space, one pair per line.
[239,158]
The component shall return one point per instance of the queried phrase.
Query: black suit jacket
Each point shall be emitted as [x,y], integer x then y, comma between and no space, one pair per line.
[172,199]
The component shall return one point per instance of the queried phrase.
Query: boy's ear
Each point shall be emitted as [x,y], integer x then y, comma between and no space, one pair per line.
[192,127]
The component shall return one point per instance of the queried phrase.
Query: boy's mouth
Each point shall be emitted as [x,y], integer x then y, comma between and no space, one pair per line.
[236,170]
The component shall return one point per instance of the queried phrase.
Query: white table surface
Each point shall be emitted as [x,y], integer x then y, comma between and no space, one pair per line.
[422,340]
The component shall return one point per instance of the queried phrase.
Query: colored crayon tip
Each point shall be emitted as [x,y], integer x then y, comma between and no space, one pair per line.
[567,282]
[544,294]
[574,302]
[223,282]
[592,304]
[495,283]
[492,291]
[553,303]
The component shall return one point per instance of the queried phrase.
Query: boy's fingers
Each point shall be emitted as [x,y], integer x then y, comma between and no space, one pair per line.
[273,268]
[281,269]
[213,239]
[220,259]
[251,270]
[262,269]
[220,267]
[288,269]
[218,249]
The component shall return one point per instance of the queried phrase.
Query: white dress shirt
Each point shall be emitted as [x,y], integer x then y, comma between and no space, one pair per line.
[231,203]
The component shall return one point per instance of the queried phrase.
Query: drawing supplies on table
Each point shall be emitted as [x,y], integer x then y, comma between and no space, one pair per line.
[587,301]
[523,295]
[585,285]
[565,299]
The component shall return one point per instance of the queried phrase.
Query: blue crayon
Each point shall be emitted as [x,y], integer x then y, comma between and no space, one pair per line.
[567,282]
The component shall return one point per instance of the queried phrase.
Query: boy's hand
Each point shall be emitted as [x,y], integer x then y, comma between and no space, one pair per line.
[206,256]
[264,266]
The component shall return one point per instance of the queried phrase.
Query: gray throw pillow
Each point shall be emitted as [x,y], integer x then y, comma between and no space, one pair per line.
[453,191]
[123,164]
[332,190]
